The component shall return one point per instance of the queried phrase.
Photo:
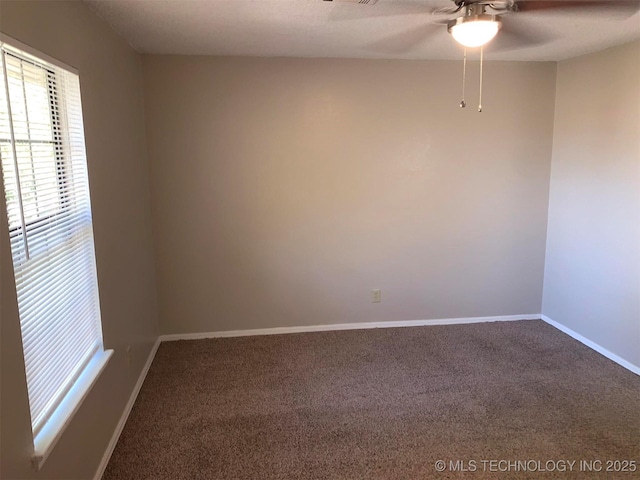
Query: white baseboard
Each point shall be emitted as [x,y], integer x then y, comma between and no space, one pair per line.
[594,346]
[344,326]
[125,414]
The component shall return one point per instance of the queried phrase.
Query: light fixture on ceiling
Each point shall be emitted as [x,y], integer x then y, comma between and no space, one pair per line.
[474,30]
[475,27]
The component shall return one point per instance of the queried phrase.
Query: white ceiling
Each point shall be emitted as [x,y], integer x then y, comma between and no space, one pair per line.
[316,28]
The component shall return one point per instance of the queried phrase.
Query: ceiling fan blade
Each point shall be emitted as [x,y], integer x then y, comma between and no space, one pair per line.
[407,40]
[352,12]
[619,7]
[513,37]
[345,11]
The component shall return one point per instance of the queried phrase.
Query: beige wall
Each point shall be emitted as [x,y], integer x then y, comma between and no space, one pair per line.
[592,275]
[284,190]
[111,85]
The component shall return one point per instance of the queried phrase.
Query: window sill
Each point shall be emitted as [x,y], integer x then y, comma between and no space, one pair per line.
[51,432]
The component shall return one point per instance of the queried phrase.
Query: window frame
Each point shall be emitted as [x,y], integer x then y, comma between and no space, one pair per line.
[51,431]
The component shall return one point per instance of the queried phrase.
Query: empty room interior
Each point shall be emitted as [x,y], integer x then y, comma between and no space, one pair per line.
[306,239]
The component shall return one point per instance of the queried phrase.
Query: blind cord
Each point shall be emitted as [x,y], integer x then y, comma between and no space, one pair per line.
[23,223]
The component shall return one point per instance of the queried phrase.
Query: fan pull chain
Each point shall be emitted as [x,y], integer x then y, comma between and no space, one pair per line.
[481,62]
[464,77]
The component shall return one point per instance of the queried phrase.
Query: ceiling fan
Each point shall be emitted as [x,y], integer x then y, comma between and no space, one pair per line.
[473,23]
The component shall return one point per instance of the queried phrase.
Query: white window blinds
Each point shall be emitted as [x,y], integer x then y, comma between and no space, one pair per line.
[50,228]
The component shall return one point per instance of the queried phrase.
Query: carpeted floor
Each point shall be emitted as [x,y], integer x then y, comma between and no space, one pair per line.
[383,404]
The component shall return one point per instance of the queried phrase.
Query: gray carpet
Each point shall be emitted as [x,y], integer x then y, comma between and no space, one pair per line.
[382,404]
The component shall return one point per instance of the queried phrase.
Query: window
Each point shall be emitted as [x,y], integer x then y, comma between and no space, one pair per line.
[51,235]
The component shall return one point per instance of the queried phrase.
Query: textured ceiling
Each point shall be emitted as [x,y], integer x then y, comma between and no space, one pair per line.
[315,28]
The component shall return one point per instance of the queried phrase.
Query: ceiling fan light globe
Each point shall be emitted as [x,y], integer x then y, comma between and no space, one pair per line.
[474,33]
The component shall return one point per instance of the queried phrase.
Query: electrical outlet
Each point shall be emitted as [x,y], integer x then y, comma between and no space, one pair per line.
[376,295]
[129,356]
